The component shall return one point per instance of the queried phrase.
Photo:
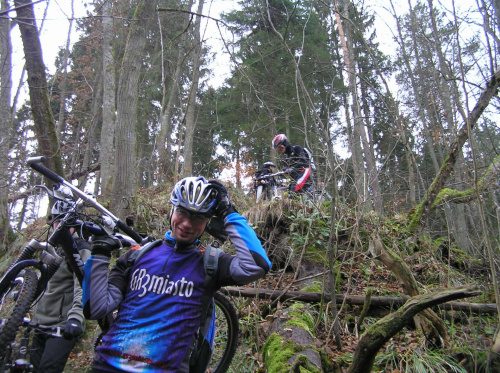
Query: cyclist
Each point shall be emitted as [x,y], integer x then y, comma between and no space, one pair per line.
[269,182]
[160,296]
[297,164]
[60,305]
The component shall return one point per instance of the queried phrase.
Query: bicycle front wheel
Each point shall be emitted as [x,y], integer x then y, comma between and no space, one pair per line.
[226,334]
[259,193]
[15,302]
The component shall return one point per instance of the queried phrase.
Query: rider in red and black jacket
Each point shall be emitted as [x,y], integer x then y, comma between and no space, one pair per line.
[297,164]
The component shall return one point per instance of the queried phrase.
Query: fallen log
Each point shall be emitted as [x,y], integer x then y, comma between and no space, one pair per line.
[384,329]
[385,302]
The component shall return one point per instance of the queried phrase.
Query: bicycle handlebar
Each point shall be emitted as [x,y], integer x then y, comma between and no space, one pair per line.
[35,163]
[277,174]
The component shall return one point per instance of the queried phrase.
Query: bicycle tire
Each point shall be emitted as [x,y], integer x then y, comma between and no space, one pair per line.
[13,309]
[226,334]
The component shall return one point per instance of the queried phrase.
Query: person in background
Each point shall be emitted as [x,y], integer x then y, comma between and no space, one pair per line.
[160,296]
[297,164]
[60,305]
[269,183]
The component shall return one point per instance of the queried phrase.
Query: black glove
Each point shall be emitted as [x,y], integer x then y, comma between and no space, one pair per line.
[72,329]
[104,245]
[224,206]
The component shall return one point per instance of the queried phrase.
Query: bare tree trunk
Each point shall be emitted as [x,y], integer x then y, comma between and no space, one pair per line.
[5,122]
[191,109]
[163,143]
[108,101]
[124,176]
[92,132]
[43,118]
[354,134]
[64,81]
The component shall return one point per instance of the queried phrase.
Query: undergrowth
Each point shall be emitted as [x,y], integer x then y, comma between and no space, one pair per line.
[296,237]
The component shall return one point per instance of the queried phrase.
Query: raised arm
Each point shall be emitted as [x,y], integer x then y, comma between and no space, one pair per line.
[102,293]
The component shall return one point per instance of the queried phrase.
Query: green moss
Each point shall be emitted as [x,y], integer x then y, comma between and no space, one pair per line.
[316,287]
[299,323]
[300,317]
[276,353]
[305,366]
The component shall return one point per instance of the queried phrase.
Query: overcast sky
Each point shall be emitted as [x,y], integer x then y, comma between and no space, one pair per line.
[54,31]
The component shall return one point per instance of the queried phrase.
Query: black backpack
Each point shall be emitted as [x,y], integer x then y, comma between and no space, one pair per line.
[310,159]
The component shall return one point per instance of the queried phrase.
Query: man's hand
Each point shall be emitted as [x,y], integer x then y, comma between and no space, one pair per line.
[104,245]
[224,206]
[288,171]
[72,329]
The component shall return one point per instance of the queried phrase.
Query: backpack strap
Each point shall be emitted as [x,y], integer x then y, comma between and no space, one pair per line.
[210,262]
[140,252]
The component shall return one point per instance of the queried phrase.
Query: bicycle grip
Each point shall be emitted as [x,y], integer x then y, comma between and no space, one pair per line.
[126,229]
[34,164]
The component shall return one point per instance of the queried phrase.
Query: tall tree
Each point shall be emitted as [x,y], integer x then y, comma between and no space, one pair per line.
[5,120]
[124,175]
[43,118]
[108,103]
[192,106]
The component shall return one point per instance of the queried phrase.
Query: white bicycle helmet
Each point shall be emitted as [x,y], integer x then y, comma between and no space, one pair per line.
[194,194]
[60,207]
[269,164]
[279,139]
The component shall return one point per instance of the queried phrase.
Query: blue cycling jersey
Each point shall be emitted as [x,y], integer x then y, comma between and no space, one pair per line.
[159,299]
[164,306]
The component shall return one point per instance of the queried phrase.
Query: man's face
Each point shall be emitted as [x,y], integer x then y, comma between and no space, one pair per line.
[281,148]
[187,226]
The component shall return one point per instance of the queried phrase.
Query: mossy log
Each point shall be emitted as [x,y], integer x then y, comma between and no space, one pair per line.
[383,330]
[291,345]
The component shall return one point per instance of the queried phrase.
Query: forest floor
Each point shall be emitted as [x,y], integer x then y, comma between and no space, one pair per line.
[434,265]
[469,334]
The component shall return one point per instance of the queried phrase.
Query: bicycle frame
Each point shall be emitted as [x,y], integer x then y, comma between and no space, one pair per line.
[62,237]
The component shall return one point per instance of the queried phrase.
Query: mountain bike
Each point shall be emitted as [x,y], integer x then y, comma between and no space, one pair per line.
[16,358]
[27,278]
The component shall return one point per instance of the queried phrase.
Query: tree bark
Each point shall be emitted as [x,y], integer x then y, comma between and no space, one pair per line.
[191,109]
[43,117]
[163,144]
[354,137]
[64,81]
[5,122]
[124,175]
[108,101]
[357,300]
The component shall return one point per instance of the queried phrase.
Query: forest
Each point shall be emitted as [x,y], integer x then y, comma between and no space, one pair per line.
[397,101]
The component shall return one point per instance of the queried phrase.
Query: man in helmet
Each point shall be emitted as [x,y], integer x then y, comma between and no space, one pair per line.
[60,305]
[268,183]
[160,296]
[297,164]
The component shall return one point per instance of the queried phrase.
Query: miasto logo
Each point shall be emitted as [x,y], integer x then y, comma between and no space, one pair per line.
[160,285]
